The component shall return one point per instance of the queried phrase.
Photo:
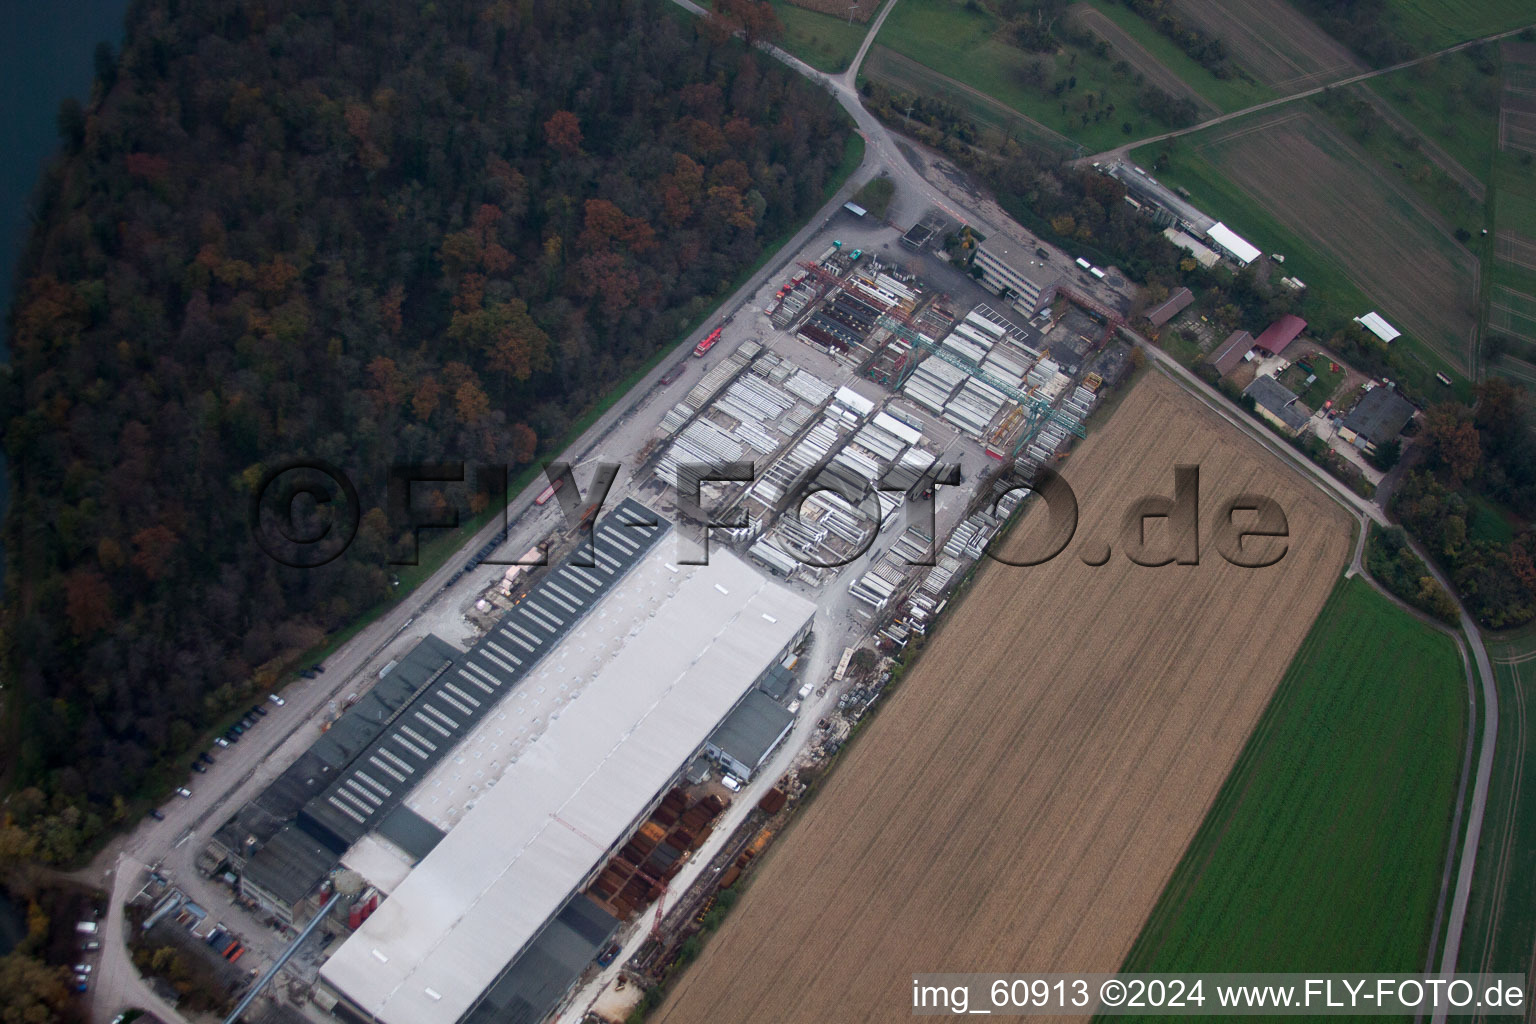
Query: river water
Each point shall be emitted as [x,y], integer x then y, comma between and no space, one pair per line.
[12,927]
[45,55]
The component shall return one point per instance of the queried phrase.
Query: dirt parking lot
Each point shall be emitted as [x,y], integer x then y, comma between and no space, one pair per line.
[1020,802]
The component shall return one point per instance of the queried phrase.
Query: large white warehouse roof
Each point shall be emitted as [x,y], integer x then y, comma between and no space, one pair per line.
[489,887]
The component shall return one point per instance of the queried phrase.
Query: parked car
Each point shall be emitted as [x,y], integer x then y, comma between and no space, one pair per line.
[319,668]
[220,741]
[81,983]
[205,757]
[184,792]
[199,767]
[275,699]
[82,968]
[92,946]
[731,783]
[157,814]
[237,729]
[231,737]
[258,711]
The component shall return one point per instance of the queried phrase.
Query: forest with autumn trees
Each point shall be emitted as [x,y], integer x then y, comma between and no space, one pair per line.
[370,234]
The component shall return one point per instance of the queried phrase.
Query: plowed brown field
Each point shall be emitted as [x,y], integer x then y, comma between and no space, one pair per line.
[1026,793]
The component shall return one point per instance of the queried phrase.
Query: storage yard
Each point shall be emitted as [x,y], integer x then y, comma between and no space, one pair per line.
[1034,777]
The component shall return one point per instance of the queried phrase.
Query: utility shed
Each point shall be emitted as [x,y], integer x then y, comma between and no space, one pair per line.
[749,734]
[1380,415]
[1228,356]
[1170,307]
[1278,404]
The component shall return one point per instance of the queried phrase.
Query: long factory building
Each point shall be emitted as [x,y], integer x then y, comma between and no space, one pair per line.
[483,815]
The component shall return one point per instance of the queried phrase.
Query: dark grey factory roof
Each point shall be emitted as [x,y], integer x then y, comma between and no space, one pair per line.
[777,681]
[1279,400]
[750,731]
[537,979]
[1380,415]
[315,769]
[410,831]
[362,723]
[290,865]
[421,733]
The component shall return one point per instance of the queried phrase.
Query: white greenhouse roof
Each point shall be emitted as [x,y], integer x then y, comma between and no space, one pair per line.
[489,887]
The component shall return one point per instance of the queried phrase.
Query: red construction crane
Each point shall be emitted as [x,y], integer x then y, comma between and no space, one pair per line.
[661,903]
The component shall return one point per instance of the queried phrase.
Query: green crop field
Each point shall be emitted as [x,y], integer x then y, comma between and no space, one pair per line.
[1435,24]
[1510,271]
[965,43]
[1487,522]
[1452,102]
[1401,154]
[1233,93]
[1501,913]
[822,41]
[1324,850]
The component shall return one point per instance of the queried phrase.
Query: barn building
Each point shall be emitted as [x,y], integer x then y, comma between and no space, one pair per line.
[1277,337]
